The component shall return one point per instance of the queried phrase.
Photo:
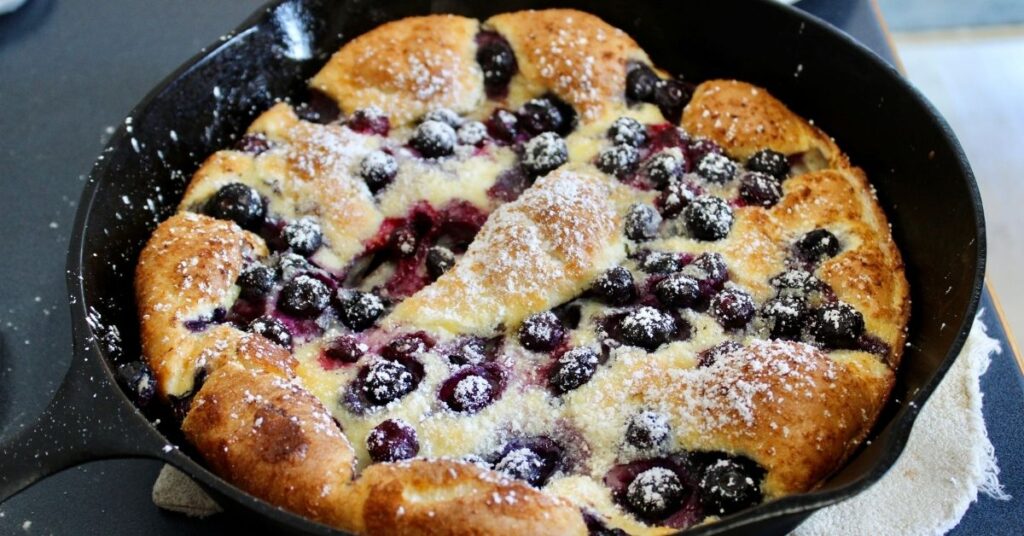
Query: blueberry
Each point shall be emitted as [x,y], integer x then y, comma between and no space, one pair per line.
[403,241]
[646,327]
[378,169]
[620,160]
[544,153]
[497,61]
[471,350]
[615,286]
[798,283]
[137,380]
[573,369]
[627,131]
[385,381]
[835,325]
[710,271]
[716,168]
[678,290]
[709,356]
[784,317]
[676,196]
[304,297]
[708,218]
[760,189]
[256,281]
[660,262]
[641,222]
[359,310]
[444,115]
[769,162]
[291,265]
[503,125]
[472,133]
[647,430]
[303,236]
[470,394]
[671,97]
[640,82]
[439,260]
[664,167]
[546,114]
[391,441]
[240,204]
[345,348]
[406,346]
[253,144]
[817,245]
[433,139]
[369,121]
[273,329]
[733,307]
[727,487]
[655,493]
[541,332]
[525,464]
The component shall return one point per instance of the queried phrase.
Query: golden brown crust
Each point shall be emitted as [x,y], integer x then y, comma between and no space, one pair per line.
[744,118]
[439,497]
[407,68]
[186,270]
[575,55]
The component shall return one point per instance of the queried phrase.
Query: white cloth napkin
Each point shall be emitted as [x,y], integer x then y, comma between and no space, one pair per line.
[947,461]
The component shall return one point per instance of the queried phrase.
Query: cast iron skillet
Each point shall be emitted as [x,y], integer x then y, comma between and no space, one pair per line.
[887,127]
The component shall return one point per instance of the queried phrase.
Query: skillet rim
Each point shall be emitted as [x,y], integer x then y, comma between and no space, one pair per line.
[901,422]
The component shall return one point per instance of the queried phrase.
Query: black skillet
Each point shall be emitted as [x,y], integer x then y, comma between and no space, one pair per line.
[887,127]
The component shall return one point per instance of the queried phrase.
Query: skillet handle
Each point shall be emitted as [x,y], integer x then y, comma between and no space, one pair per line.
[88,419]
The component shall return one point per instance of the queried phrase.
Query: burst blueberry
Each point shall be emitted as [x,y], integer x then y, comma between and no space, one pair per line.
[369,120]
[525,464]
[710,356]
[253,144]
[138,382]
[546,114]
[472,133]
[660,262]
[304,296]
[272,329]
[345,348]
[238,203]
[573,369]
[677,195]
[391,441]
[444,115]
[407,345]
